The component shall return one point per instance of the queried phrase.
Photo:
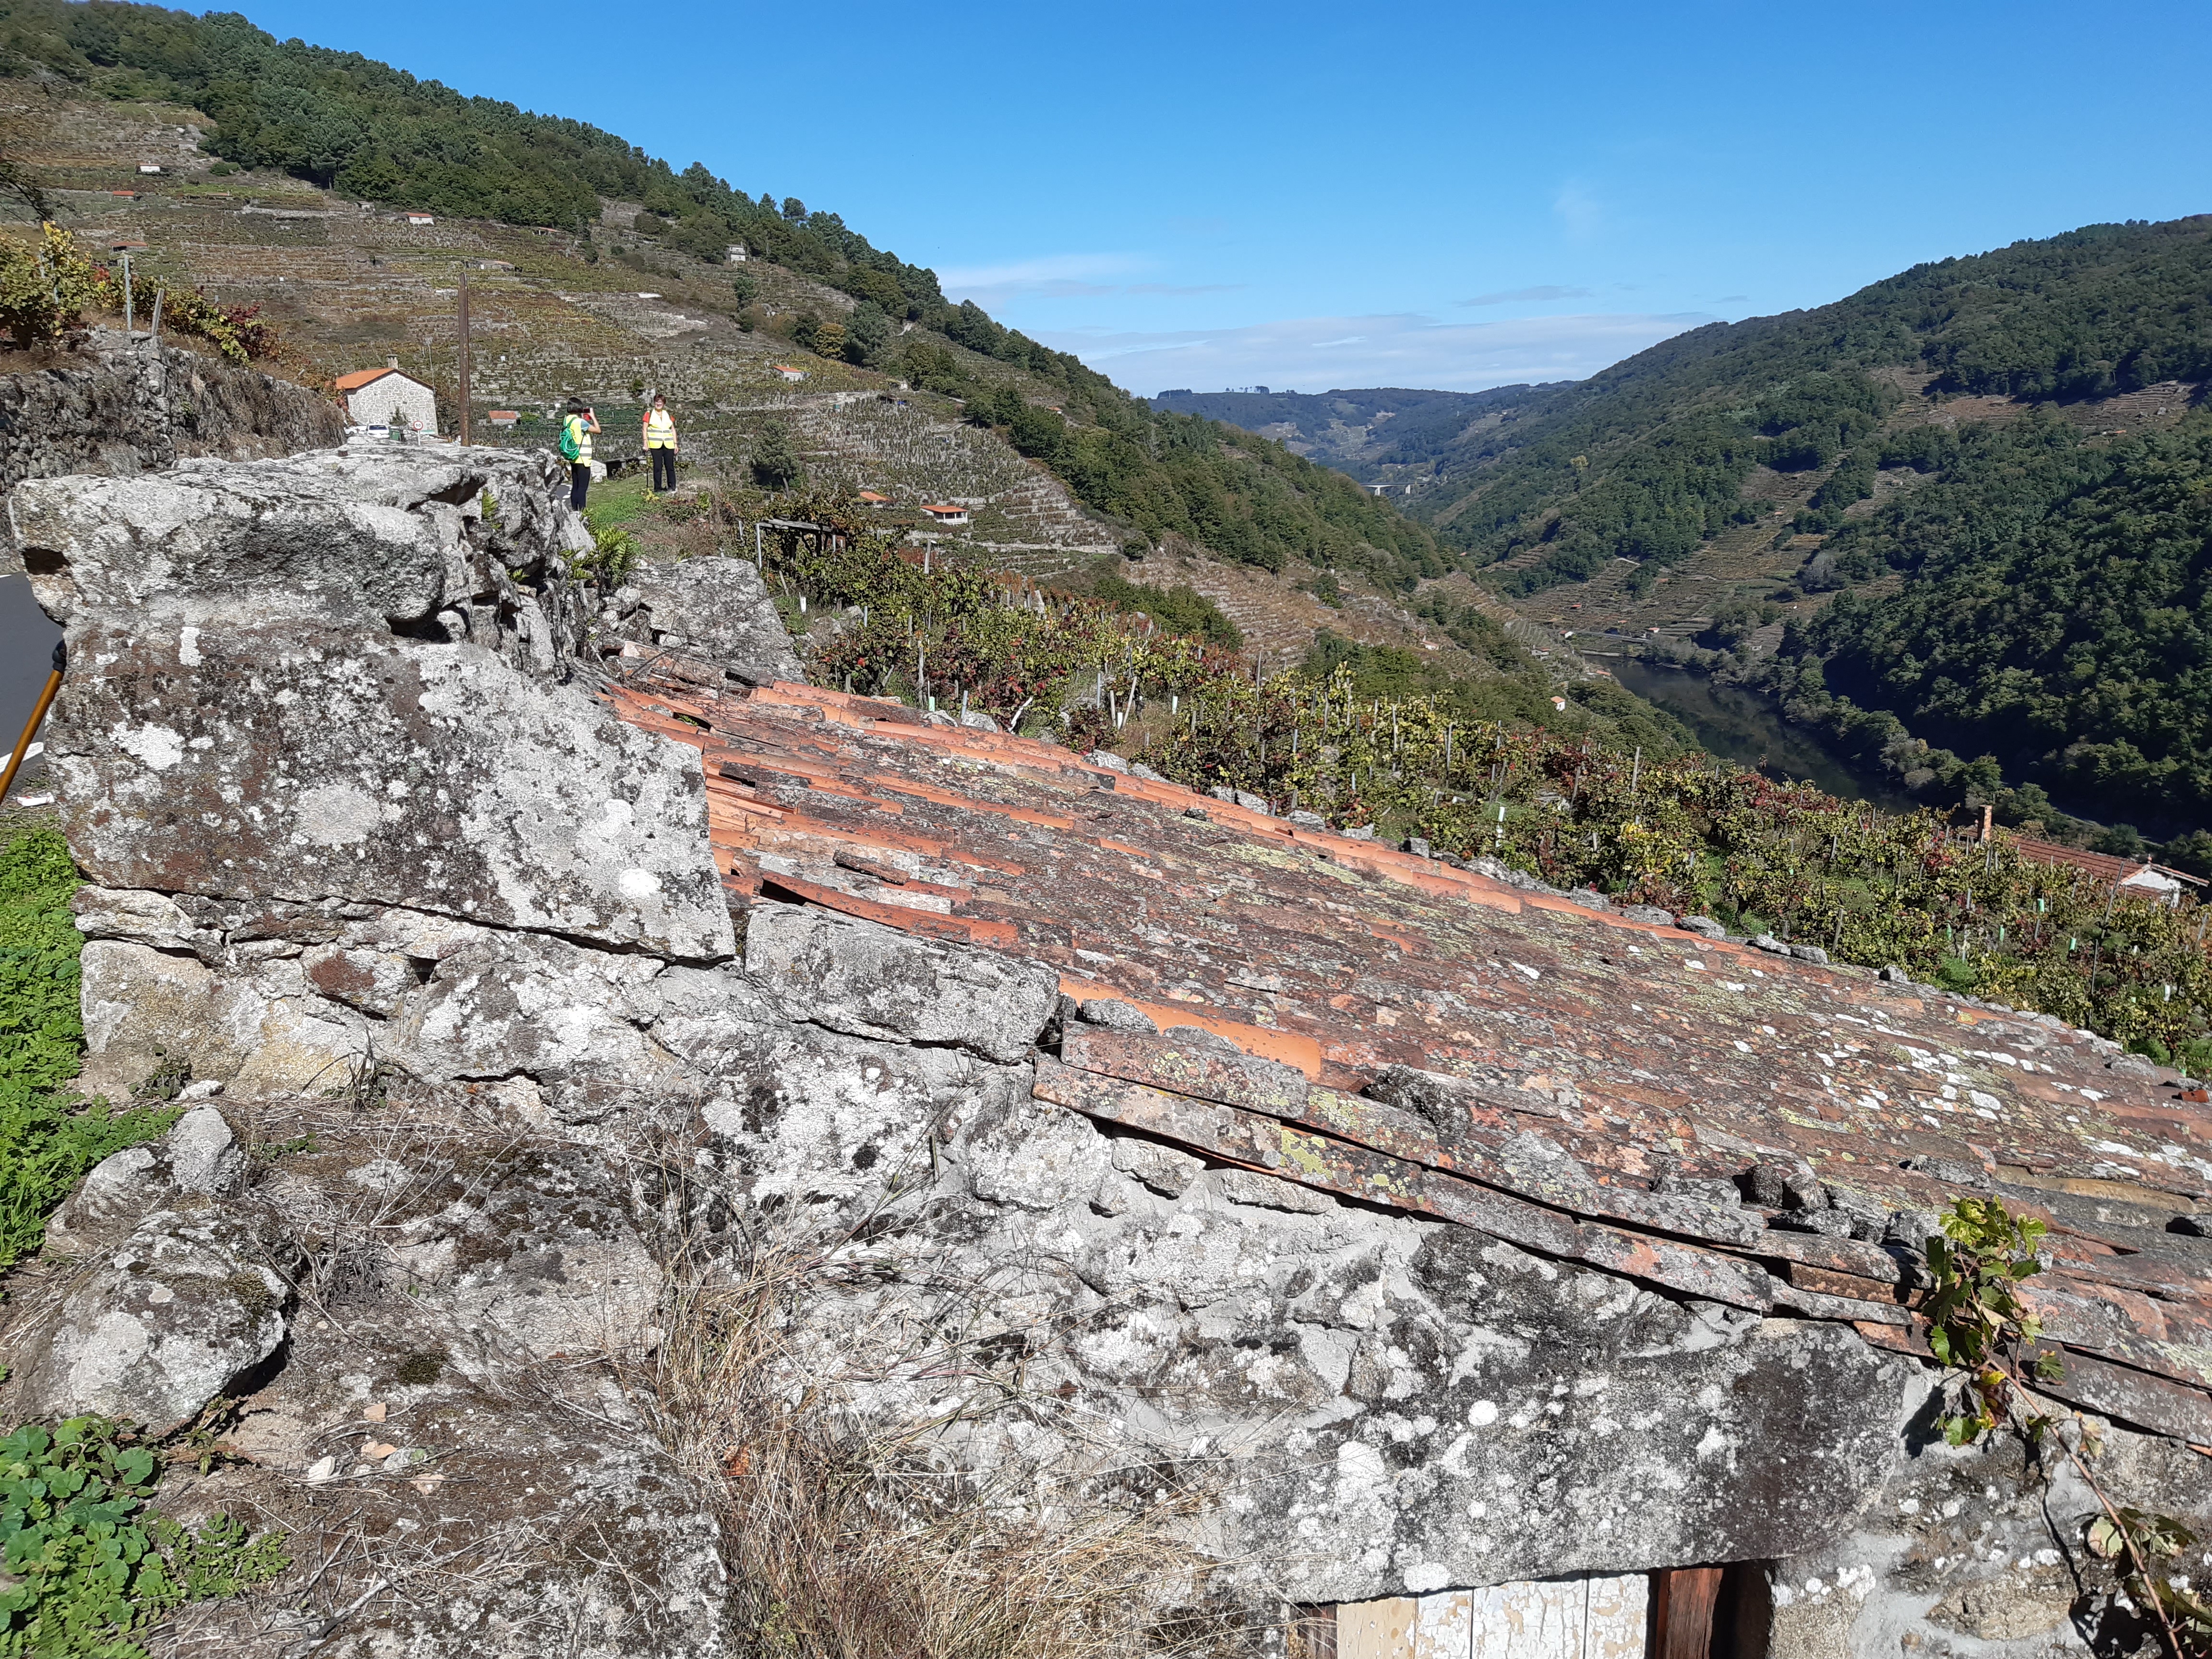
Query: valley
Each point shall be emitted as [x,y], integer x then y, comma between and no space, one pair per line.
[1939,521]
[994,1020]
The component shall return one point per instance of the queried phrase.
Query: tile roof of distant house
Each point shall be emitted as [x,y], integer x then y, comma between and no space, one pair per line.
[2103,866]
[1717,1120]
[360,377]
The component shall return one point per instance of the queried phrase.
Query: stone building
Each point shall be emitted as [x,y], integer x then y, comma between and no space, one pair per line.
[377,397]
[1448,1267]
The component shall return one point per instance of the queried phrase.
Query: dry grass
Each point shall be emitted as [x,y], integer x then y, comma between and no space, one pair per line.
[852,1532]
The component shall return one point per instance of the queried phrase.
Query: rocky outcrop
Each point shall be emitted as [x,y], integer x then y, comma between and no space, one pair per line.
[180,1314]
[230,624]
[369,853]
[119,408]
[716,609]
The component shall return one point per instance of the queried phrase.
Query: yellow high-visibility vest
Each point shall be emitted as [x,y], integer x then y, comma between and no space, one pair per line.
[660,430]
[581,435]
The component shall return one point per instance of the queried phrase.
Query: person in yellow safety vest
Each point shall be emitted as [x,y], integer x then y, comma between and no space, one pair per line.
[660,442]
[576,430]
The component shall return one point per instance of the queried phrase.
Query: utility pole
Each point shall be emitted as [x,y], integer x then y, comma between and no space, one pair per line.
[465,360]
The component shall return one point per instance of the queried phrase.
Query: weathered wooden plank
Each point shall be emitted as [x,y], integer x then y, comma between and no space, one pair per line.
[1375,1629]
[1618,1617]
[1542,1618]
[1312,1632]
[1686,1597]
[1444,1626]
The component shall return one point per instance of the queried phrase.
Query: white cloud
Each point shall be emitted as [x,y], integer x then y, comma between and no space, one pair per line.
[1578,210]
[1319,354]
[1528,295]
[1061,276]
[1057,276]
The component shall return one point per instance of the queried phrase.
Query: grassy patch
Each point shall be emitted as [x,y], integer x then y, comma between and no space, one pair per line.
[48,1140]
[616,501]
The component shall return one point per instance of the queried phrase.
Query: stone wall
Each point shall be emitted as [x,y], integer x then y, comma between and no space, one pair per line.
[119,409]
[486,1073]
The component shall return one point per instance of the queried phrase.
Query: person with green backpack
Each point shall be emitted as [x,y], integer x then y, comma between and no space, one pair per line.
[576,430]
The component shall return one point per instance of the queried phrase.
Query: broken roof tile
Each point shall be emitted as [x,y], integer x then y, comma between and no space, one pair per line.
[1620,1076]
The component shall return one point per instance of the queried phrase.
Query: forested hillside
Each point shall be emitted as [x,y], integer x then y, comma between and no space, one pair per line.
[369,131]
[2053,614]
[1649,459]
[1991,572]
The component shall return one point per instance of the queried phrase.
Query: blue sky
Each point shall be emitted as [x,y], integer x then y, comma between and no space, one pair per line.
[1307,197]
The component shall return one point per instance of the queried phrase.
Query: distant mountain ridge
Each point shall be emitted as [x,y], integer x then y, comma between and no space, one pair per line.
[1373,434]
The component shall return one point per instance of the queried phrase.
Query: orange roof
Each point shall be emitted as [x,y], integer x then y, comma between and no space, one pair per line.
[941,506]
[360,377]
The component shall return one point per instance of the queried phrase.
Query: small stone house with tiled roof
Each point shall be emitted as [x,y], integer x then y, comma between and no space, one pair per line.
[373,396]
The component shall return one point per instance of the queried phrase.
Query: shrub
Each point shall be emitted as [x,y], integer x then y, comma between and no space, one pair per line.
[47,286]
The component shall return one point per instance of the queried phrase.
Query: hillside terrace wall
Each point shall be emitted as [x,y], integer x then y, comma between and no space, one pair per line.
[117,407]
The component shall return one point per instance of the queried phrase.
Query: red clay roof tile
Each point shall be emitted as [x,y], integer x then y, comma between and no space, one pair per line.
[1613,1066]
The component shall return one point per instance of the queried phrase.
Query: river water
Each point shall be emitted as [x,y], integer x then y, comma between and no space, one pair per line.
[1747,727]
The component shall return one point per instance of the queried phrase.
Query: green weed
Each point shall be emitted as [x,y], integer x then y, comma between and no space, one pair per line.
[47,1139]
[614,552]
[88,1564]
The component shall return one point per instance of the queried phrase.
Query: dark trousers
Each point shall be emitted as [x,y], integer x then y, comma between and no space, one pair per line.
[580,483]
[663,466]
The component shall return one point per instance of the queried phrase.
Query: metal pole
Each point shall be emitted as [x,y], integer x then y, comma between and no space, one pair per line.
[465,360]
[31,728]
[129,319]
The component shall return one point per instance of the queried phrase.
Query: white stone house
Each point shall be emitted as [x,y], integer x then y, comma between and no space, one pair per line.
[373,396]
